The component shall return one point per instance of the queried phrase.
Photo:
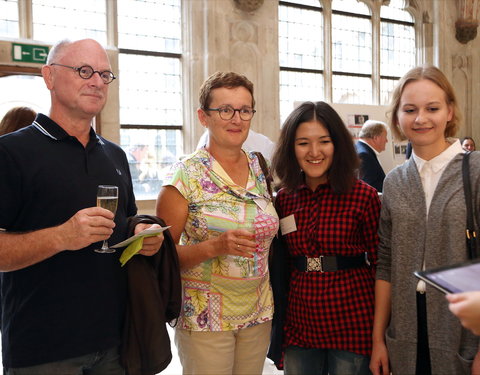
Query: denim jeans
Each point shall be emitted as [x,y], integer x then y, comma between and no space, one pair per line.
[105,362]
[302,361]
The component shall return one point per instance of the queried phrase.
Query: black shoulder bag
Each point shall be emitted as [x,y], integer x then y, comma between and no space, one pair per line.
[470,232]
[266,172]
[279,279]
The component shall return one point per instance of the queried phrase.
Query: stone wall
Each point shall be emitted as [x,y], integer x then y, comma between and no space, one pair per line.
[460,61]
[224,37]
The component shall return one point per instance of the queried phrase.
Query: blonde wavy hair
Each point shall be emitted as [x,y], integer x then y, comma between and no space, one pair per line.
[435,75]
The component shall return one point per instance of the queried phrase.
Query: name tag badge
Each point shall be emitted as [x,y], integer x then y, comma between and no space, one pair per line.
[288,225]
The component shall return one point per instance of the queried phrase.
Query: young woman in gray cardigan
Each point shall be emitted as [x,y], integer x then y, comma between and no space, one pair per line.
[422,225]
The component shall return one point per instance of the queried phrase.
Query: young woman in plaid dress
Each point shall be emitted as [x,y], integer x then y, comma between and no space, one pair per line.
[328,219]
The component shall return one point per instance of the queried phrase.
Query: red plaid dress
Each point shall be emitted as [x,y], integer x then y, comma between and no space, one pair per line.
[331,310]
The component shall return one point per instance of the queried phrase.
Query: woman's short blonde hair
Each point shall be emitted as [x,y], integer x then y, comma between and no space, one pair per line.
[435,75]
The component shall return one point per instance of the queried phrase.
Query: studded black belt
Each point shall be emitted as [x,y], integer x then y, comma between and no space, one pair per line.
[329,263]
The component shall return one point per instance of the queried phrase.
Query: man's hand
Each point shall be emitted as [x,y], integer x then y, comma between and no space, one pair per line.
[151,245]
[93,224]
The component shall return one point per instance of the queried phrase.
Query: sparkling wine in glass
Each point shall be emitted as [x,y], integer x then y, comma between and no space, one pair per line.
[251,263]
[107,197]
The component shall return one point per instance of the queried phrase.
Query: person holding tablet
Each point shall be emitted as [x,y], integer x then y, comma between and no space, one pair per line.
[413,331]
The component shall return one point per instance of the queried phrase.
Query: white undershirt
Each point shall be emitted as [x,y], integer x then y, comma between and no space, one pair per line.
[430,172]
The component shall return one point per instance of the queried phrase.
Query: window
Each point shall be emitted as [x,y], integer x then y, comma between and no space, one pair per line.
[300,53]
[9,26]
[23,90]
[151,115]
[149,73]
[397,45]
[350,76]
[77,20]
[351,52]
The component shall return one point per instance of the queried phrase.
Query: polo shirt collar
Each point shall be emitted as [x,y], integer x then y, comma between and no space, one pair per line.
[51,129]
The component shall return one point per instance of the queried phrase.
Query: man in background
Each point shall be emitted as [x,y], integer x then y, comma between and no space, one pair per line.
[373,139]
[63,304]
[254,142]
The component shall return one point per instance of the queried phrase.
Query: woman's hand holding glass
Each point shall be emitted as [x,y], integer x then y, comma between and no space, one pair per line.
[251,260]
[239,242]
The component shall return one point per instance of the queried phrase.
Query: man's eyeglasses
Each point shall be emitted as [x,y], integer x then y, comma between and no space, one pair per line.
[86,72]
[227,112]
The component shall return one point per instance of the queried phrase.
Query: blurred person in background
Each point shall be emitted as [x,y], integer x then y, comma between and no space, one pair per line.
[468,144]
[254,142]
[372,141]
[16,118]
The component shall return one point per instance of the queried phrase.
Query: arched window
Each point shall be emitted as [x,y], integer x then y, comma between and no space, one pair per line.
[356,59]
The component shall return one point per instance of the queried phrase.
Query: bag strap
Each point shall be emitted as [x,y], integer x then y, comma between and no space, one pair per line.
[470,232]
[266,172]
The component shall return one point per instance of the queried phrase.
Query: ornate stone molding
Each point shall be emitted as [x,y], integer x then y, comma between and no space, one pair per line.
[244,31]
[462,82]
[467,21]
[248,5]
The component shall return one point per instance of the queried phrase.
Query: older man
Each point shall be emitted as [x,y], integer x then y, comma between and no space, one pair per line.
[63,304]
[373,139]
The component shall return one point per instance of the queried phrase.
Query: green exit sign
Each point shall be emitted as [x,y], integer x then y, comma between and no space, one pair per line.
[29,53]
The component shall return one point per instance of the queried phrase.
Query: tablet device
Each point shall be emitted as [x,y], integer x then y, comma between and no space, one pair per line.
[457,278]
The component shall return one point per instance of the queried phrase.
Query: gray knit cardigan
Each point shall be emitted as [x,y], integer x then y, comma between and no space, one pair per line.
[406,236]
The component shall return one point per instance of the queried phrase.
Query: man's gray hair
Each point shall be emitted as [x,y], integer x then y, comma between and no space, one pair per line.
[57,50]
[372,128]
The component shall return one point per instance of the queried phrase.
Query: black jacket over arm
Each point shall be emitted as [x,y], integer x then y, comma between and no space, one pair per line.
[154,298]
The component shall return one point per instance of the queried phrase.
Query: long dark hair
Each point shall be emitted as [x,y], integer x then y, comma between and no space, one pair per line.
[342,172]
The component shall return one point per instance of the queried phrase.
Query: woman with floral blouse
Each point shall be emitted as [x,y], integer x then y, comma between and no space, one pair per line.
[222,217]
[329,222]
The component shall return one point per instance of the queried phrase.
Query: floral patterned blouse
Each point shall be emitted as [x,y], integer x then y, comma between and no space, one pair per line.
[227,292]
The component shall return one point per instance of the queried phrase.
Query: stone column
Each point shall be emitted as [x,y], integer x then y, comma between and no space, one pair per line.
[240,36]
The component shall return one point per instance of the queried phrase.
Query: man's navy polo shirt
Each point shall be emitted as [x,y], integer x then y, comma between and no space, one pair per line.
[72,303]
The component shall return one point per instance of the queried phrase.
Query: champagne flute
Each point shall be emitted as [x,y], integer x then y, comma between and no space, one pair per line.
[107,197]
[251,263]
